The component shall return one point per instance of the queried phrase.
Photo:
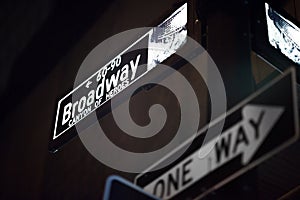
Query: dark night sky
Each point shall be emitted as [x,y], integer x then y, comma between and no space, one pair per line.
[35,36]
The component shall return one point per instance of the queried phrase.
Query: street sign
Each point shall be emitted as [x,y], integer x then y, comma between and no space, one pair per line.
[117,188]
[134,62]
[283,34]
[254,130]
[275,35]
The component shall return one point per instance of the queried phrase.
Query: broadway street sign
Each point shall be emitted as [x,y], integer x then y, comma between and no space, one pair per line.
[94,93]
[254,130]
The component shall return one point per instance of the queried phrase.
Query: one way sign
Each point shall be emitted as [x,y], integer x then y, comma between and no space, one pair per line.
[243,139]
[257,128]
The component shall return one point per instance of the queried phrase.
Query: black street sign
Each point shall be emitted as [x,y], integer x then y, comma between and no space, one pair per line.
[117,188]
[99,88]
[257,128]
[95,93]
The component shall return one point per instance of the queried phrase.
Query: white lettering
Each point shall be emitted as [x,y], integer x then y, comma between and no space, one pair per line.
[124,74]
[134,66]
[91,98]
[100,89]
[81,104]
[67,113]
[113,81]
